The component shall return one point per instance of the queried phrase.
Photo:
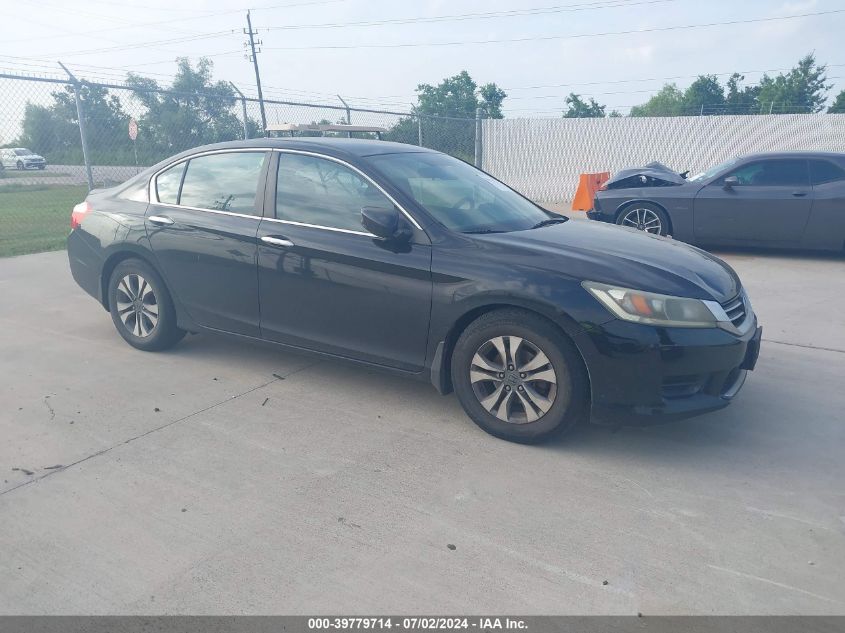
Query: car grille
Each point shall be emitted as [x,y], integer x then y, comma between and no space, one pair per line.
[735,309]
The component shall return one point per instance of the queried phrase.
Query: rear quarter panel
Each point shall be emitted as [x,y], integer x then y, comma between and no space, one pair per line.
[677,201]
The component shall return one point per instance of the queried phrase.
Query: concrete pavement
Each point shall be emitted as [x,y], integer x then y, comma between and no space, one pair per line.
[223,477]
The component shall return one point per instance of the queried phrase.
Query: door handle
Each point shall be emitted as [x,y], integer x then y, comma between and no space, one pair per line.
[799,194]
[276,241]
[160,220]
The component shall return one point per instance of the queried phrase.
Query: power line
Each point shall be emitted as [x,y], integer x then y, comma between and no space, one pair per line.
[589,6]
[124,47]
[553,37]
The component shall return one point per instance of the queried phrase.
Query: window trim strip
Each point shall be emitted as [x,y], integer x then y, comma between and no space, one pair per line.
[153,190]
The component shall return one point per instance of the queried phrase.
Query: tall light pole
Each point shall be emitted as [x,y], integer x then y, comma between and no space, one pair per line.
[254,58]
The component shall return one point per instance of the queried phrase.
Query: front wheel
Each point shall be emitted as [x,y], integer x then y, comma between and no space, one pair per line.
[141,307]
[19,165]
[645,216]
[518,377]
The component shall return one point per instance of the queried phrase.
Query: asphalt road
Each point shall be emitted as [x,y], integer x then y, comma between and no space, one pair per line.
[232,478]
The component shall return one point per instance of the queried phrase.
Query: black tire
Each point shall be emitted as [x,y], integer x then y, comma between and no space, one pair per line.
[140,331]
[631,214]
[42,167]
[571,398]
[19,165]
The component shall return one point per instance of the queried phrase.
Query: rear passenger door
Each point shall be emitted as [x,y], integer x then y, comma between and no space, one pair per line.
[770,205]
[202,223]
[327,284]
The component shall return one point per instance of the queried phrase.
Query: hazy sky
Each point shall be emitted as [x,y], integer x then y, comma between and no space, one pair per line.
[105,38]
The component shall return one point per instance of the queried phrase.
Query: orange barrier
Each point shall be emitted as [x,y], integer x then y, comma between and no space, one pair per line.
[588,184]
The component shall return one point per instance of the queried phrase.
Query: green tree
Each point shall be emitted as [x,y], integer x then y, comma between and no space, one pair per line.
[445,114]
[740,99]
[577,108]
[459,96]
[838,105]
[195,111]
[704,96]
[54,130]
[803,89]
[490,100]
[669,101]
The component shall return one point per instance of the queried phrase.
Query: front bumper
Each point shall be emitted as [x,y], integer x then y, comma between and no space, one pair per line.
[599,216]
[646,375]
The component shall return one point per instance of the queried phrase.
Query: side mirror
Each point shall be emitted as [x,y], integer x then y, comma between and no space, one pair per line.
[385,223]
[730,182]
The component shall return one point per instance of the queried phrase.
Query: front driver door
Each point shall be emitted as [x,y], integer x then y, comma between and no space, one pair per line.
[327,284]
[770,205]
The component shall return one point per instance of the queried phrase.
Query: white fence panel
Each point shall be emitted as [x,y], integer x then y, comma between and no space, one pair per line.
[543,157]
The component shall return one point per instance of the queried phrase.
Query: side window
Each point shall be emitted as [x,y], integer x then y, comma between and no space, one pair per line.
[822,171]
[773,173]
[223,182]
[167,184]
[324,193]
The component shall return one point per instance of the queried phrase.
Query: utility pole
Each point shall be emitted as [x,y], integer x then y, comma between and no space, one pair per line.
[254,58]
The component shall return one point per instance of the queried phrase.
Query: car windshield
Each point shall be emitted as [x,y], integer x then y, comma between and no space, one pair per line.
[706,175]
[457,195]
[23,152]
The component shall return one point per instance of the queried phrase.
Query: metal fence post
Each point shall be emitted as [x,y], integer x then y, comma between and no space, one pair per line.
[348,115]
[80,115]
[243,109]
[478,113]
[419,131]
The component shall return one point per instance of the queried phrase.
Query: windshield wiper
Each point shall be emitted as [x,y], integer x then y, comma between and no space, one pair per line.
[560,220]
[482,231]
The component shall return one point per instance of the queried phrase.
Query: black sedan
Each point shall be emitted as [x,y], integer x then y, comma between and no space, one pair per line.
[411,261]
[784,200]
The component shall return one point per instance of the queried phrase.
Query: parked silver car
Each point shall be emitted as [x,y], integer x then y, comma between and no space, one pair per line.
[21,158]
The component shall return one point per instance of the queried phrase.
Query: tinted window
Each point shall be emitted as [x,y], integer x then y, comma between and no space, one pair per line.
[822,171]
[324,193]
[167,184]
[223,182]
[459,196]
[773,173]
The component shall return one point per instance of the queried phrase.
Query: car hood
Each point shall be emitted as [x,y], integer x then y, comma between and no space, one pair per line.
[616,255]
[652,175]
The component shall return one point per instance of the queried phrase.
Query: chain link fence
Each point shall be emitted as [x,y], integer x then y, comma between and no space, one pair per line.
[49,118]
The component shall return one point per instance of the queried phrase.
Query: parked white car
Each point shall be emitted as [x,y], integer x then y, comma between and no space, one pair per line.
[21,158]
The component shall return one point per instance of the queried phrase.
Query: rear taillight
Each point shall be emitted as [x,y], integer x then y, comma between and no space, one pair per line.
[78,214]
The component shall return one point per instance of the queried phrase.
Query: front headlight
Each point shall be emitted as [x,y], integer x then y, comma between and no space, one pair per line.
[655,309]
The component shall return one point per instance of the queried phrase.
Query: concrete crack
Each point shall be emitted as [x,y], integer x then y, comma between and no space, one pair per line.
[825,349]
[66,467]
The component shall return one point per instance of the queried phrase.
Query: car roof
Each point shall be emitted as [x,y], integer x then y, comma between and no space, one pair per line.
[796,154]
[351,147]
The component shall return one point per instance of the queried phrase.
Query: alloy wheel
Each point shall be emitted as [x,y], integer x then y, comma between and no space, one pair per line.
[137,305]
[643,219]
[513,379]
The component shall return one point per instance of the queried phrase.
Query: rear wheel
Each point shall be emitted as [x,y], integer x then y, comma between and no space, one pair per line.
[644,216]
[518,377]
[141,307]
